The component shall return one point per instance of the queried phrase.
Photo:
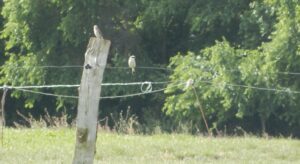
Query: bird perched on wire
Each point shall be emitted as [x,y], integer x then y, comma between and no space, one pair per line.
[97,32]
[131,63]
[188,84]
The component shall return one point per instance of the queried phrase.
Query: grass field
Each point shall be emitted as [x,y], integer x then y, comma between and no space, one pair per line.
[57,146]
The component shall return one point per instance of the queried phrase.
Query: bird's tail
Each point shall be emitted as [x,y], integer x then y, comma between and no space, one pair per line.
[133,70]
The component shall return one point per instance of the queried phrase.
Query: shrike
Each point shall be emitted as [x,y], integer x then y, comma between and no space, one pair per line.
[188,84]
[97,32]
[131,63]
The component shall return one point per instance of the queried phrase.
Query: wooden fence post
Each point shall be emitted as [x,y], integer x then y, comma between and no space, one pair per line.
[89,93]
[2,113]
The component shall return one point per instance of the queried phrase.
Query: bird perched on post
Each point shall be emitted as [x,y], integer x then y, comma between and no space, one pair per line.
[97,32]
[131,63]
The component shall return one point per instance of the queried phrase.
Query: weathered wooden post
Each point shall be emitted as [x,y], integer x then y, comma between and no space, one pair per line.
[2,113]
[89,93]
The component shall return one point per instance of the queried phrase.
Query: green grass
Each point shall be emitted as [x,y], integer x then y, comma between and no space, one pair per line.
[57,146]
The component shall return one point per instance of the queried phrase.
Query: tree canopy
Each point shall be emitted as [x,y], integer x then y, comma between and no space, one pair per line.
[242,55]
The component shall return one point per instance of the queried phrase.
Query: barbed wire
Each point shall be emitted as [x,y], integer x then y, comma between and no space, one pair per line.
[256,72]
[286,90]
[289,73]
[46,94]
[41,86]
[78,85]
[104,97]
[152,68]
[46,66]
[142,67]
[80,66]
[135,83]
[148,86]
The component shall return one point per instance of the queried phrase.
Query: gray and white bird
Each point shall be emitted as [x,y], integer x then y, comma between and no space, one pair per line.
[131,63]
[188,84]
[97,32]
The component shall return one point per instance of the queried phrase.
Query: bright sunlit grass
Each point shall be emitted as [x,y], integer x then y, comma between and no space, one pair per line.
[57,146]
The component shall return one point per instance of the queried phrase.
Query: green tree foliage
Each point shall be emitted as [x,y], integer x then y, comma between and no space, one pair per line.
[32,39]
[225,46]
[171,26]
[226,75]
[1,41]
[211,70]
[56,33]
[53,32]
